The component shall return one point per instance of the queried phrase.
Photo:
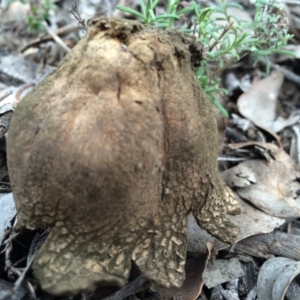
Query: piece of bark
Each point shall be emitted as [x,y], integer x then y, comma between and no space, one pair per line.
[266,245]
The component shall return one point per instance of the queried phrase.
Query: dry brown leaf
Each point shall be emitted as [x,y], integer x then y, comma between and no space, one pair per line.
[222,270]
[267,245]
[275,276]
[275,190]
[271,186]
[259,104]
[276,152]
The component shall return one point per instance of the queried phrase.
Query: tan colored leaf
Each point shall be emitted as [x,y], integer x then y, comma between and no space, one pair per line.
[259,103]
[222,270]
[275,189]
[275,276]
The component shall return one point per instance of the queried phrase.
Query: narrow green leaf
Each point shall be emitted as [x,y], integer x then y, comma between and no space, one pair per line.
[220,107]
[143,6]
[130,11]
[185,10]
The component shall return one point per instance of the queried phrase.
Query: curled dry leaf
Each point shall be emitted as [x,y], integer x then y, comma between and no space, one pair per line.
[272,186]
[222,270]
[276,188]
[113,150]
[275,276]
[259,103]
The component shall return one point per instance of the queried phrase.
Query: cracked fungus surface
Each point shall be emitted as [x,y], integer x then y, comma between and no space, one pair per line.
[113,150]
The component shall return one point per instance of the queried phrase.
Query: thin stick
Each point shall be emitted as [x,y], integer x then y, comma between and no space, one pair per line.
[74,11]
[60,31]
[56,38]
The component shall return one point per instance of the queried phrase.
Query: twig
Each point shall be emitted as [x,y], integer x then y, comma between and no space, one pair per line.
[8,249]
[22,274]
[21,90]
[225,30]
[56,38]
[232,158]
[61,31]
[74,11]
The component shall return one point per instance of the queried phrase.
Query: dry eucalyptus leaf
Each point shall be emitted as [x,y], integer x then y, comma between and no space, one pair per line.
[258,104]
[222,270]
[276,178]
[276,189]
[275,276]
[267,245]
[113,150]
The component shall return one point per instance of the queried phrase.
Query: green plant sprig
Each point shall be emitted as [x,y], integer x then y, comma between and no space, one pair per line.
[148,15]
[40,10]
[266,35]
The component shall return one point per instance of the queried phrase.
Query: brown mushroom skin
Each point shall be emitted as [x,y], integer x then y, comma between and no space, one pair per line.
[113,150]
